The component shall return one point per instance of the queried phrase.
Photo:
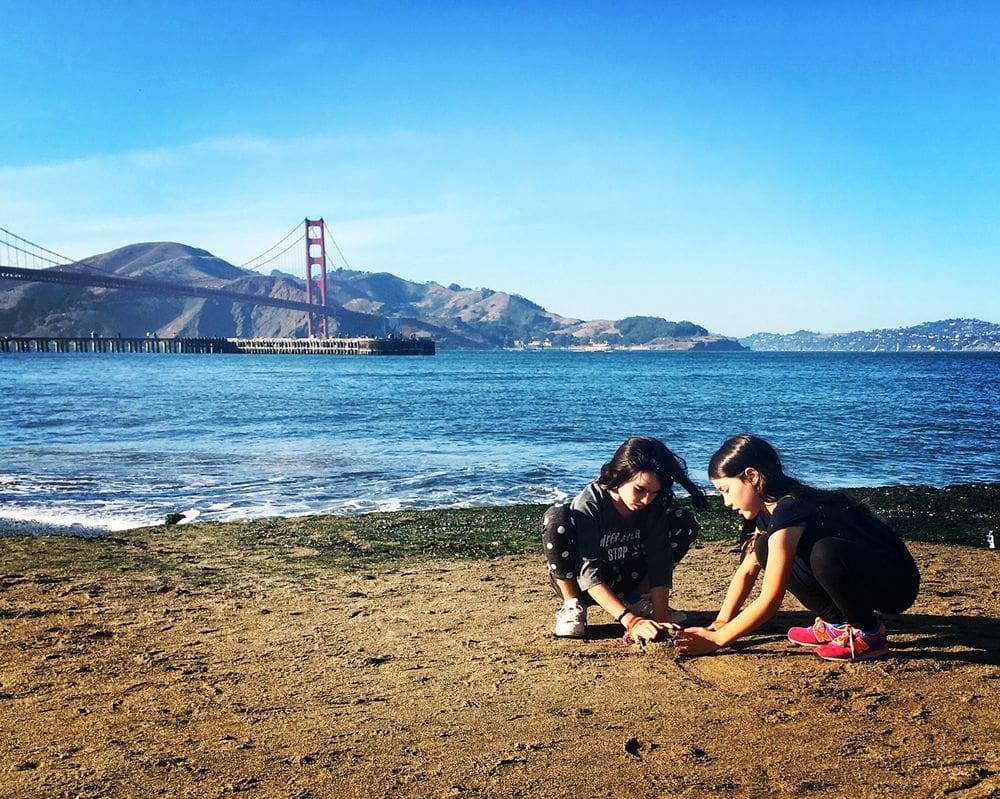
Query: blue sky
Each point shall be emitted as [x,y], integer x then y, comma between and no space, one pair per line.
[747,165]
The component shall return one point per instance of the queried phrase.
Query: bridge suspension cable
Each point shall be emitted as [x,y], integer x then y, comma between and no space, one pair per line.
[263,260]
[19,246]
[336,246]
[288,260]
[35,258]
[285,254]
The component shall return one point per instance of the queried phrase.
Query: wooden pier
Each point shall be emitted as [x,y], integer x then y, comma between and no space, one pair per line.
[112,344]
[254,346]
[333,346]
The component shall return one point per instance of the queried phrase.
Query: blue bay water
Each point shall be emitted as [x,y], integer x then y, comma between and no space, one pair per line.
[107,442]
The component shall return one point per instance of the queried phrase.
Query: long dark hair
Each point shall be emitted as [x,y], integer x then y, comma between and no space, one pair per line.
[646,454]
[744,451]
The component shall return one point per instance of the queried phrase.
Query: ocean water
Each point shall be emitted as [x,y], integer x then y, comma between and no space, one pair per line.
[93,443]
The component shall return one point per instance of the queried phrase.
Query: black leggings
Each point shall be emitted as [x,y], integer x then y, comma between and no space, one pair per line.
[844,581]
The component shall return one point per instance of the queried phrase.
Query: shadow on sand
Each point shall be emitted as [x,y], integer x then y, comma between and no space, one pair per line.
[913,636]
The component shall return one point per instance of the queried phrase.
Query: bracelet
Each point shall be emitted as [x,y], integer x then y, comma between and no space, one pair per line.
[622,615]
[633,623]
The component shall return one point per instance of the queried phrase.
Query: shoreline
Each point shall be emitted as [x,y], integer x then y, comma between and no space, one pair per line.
[212,553]
[962,513]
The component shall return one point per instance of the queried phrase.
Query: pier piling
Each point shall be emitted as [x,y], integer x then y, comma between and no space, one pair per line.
[254,346]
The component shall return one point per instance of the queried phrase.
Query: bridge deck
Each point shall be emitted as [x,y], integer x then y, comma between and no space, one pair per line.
[256,346]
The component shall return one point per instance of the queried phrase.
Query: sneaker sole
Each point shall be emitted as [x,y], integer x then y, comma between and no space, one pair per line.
[803,643]
[874,653]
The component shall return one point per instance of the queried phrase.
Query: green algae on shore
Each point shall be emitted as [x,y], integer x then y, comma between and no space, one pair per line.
[218,553]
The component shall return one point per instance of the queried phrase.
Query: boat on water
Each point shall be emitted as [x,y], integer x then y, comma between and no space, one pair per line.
[532,346]
[539,346]
[593,346]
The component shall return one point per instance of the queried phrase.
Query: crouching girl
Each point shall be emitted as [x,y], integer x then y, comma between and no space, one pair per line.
[617,543]
[838,559]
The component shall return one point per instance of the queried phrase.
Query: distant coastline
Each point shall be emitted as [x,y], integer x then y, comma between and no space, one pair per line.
[948,335]
[658,344]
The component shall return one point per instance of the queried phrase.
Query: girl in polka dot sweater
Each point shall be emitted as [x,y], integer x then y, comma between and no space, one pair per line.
[617,543]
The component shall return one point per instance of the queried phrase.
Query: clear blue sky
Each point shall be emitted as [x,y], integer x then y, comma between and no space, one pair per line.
[745,165]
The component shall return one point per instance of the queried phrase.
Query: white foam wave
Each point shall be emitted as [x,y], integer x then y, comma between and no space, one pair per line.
[32,522]
[99,515]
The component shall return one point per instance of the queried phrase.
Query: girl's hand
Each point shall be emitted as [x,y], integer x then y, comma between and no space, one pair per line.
[648,630]
[696,641]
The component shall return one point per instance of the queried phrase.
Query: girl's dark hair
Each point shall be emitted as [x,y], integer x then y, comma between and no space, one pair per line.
[645,454]
[745,451]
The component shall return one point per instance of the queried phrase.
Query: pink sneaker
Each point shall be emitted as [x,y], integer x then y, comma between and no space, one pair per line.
[820,633]
[854,644]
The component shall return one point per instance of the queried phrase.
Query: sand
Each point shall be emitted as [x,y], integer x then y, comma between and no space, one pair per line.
[441,678]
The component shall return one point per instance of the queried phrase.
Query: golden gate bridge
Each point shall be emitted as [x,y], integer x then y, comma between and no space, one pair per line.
[24,260]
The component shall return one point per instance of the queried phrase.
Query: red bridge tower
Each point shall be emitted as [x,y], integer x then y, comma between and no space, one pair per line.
[316,255]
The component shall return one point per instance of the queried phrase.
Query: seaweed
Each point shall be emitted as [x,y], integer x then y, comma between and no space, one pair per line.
[206,554]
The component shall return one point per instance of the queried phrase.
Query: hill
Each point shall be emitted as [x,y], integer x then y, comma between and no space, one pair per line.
[368,304]
[949,335]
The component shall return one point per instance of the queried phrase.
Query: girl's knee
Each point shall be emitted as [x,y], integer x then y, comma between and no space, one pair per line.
[683,525]
[556,517]
[559,541]
[683,530]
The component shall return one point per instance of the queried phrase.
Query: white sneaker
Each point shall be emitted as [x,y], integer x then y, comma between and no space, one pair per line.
[571,620]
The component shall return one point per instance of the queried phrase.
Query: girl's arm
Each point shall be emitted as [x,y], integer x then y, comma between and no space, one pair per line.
[781,547]
[739,589]
[660,595]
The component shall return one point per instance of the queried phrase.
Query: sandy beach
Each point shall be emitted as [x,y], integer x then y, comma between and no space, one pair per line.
[178,662]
